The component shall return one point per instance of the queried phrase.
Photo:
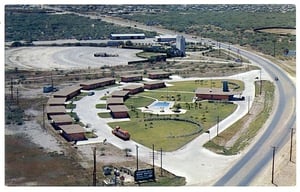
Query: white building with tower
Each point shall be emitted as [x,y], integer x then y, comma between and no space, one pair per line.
[180,44]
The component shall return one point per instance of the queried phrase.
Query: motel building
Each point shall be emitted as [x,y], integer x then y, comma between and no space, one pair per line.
[154,84]
[94,84]
[134,89]
[213,94]
[73,132]
[159,75]
[68,92]
[131,78]
[119,111]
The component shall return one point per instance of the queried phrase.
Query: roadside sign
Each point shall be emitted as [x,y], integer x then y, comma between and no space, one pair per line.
[144,174]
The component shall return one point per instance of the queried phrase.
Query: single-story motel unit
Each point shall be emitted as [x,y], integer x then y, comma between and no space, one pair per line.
[57,120]
[114,101]
[119,111]
[123,94]
[73,132]
[214,94]
[154,84]
[59,101]
[68,92]
[94,84]
[159,75]
[131,78]
[55,110]
[134,89]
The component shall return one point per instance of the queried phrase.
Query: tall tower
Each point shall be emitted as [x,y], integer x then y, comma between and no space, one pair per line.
[180,44]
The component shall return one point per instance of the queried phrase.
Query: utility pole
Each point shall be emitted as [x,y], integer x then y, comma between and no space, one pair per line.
[44,117]
[94,172]
[291,148]
[17,97]
[161,169]
[273,162]
[248,104]
[153,156]
[274,41]
[137,157]
[260,89]
[218,119]
[11,89]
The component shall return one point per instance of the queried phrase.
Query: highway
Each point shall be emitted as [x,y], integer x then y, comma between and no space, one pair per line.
[276,133]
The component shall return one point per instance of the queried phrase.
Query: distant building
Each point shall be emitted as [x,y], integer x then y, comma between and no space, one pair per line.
[127,36]
[165,38]
[180,44]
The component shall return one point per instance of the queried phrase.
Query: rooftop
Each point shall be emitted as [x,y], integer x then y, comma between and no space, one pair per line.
[119,93]
[153,82]
[55,109]
[67,91]
[118,108]
[113,100]
[60,100]
[131,87]
[61,118]
[74,128]
[96,81]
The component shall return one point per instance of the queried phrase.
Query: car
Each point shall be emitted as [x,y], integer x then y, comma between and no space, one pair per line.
[276,79]
[91,93]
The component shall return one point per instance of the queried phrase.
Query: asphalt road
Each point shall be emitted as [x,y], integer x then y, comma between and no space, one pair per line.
[276,133]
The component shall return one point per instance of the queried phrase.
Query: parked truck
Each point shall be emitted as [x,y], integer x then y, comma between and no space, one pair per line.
[121,133]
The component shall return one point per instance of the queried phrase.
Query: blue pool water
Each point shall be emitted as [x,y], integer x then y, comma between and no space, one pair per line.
[160,104]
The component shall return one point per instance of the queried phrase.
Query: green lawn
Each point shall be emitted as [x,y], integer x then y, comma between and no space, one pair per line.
[104,115]
[162,133]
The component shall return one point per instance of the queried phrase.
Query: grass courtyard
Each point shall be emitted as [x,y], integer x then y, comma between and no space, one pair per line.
[168,134]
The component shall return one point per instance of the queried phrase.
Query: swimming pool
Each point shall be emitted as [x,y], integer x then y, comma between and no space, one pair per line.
[161,104]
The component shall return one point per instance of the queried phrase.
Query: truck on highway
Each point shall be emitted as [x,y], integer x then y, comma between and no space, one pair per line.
[123,134]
